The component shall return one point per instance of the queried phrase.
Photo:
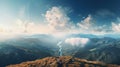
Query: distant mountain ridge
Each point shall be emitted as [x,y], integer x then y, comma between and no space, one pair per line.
[94,35]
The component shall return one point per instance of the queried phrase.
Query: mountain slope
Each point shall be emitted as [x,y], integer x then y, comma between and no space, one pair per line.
[64,61]
[104,49]
[19,50]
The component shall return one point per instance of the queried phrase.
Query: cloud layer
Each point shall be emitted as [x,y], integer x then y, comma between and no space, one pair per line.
[58,22]
[77,41]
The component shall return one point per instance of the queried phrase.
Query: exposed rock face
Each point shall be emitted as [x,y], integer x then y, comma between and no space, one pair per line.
[64,61]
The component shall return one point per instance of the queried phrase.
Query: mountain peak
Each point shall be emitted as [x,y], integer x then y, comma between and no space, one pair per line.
[63,61]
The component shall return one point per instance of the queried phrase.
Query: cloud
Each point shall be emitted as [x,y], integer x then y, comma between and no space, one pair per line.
[22,12]
[86,24]
[21,27]
[116,27]
[57,19]
[31,27]
[77,41]
[104,13]
[2,29]
[59,24]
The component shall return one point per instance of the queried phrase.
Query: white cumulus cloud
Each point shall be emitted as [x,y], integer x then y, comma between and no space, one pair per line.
[57,18]
[116,27]
[77,41]
[86,23]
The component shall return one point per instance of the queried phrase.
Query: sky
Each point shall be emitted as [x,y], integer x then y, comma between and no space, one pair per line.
[59,16]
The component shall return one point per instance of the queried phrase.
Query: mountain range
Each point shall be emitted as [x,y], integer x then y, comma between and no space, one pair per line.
[28,48]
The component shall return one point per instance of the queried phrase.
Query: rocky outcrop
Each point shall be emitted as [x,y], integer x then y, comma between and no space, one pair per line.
[64,61]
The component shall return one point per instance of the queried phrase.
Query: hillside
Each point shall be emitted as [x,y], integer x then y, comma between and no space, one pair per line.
[64,61]
[30,48]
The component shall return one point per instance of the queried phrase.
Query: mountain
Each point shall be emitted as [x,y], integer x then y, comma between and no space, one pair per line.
[83,35]
[102,49]
[94,35]
[23,49]
[63,61]
[27,48]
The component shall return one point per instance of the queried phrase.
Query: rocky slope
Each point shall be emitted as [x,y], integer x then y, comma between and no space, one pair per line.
[64,61]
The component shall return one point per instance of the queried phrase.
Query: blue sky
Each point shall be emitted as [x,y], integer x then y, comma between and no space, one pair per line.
[80,15]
